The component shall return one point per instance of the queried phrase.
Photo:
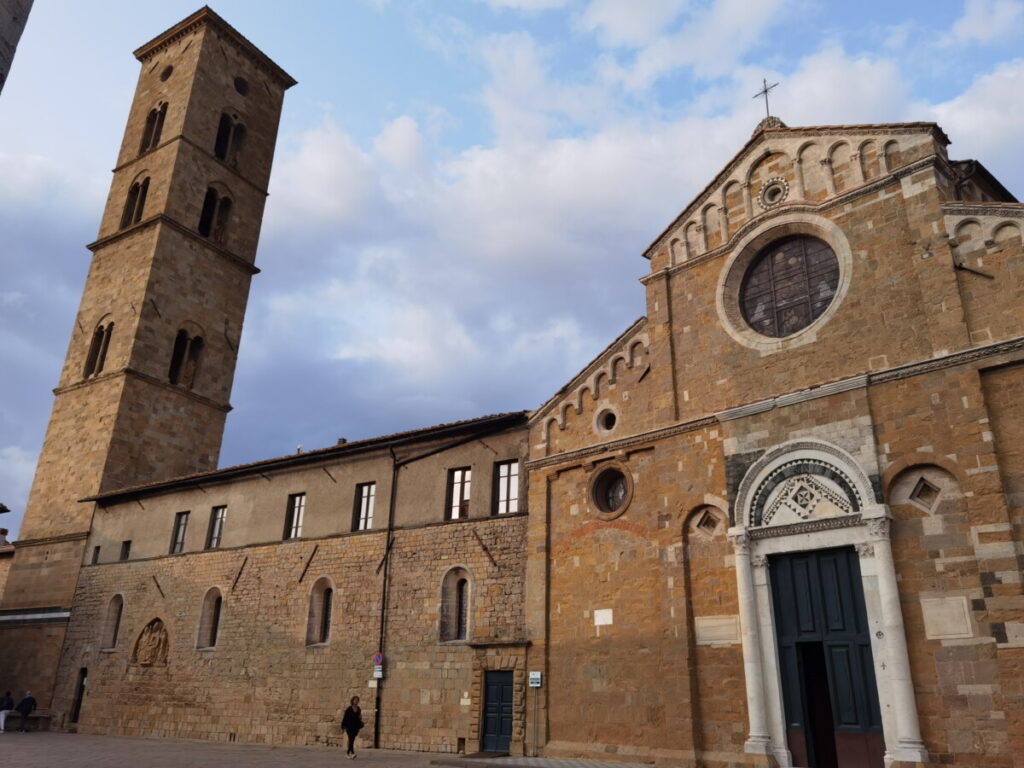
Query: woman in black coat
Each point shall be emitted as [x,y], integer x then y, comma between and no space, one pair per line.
[351,724]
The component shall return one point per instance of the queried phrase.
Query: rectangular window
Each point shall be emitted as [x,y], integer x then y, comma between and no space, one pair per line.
[506,487]
[178,535]
[95,555]
[126,549]
[457,507]
[293,517]
[213,535]
[362,513]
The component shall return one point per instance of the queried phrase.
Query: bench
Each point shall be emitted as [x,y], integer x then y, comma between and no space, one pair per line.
[37,721]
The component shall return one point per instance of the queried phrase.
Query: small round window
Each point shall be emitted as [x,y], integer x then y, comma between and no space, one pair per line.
[242,85]
[606,420]
[789,285]
[166,73]
[611,490]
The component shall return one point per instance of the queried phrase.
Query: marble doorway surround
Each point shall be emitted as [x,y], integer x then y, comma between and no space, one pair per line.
[798,497]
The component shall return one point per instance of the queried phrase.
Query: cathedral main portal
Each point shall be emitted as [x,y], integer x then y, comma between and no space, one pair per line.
[827,674]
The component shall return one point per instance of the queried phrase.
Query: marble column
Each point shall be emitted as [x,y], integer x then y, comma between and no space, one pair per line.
[908,746]
[758,741]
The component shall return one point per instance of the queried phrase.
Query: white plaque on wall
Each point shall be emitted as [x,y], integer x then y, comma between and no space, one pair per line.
[946,618]
[717,630]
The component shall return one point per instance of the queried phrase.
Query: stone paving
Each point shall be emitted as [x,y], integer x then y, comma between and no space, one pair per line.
[44,749]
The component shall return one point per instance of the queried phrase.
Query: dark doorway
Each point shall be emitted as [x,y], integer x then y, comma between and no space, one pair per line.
[76,708]
[497,711]
[828,678]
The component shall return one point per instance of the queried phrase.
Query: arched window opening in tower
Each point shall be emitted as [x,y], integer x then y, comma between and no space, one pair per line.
[213,221]
[154,127]
[98,346]
[230,139]
[135,203]
[185,358]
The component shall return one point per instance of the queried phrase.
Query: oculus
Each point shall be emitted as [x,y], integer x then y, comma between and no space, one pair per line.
[773,192]
[788,285]
[611,490]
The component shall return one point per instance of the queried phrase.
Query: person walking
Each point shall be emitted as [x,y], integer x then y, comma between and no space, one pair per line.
[351,724]
[25,708]
[6,707]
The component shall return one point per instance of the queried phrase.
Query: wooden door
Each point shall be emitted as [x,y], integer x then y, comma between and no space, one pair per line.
[828,678]
[497,711]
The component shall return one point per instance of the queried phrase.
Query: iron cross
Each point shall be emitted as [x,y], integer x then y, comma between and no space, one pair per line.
[764,92]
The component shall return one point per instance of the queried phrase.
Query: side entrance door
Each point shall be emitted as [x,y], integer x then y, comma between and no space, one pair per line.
[497,711]
[828,677]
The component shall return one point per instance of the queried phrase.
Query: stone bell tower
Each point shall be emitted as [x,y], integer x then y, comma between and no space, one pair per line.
[146,382]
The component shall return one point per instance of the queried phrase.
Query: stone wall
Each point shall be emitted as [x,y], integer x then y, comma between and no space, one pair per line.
[262,682]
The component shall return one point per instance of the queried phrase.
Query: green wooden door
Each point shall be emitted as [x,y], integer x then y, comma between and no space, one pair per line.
[828,677]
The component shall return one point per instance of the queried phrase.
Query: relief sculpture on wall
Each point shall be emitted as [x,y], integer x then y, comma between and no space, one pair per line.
[151,647]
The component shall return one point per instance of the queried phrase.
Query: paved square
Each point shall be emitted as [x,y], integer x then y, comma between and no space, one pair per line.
[43,749]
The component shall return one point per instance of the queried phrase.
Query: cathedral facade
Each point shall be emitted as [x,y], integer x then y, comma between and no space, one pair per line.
[777,521]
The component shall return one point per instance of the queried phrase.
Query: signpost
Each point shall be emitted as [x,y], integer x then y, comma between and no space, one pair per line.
[378,666]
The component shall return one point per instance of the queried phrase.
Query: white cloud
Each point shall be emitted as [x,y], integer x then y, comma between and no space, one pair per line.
[986,122]
[528,6]
[630,24]
[400,144]
[711,41]
[17,467]
[984,21]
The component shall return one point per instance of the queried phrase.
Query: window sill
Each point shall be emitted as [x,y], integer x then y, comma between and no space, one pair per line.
[207,649]
[108,650]
[314,646]
[460,641]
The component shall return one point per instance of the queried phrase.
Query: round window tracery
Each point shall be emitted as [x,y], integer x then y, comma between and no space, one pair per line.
[789,285]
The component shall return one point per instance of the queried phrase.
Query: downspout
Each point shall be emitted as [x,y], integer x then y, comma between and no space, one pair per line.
[385,563]
[389,540]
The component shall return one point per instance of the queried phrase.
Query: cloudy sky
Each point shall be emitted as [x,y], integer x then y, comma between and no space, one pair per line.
[462,188]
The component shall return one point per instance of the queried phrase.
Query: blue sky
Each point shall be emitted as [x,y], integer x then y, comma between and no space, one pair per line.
[462,188]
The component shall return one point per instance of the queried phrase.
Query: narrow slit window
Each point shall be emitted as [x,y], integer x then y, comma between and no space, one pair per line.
[362,517]
[112,622]
[293,516]
[320,614]
[506,487]
[325,618]
[457,507]
[455,605]
[209,619]
[126,549]
[223,141]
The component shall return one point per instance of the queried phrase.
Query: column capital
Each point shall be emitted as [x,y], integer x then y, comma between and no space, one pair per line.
[740,540]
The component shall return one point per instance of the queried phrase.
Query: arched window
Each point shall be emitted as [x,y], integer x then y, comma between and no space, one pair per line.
[154,127]
[209,619]
[321,609]
[230,139]
[455,599]
[135,203]
[97,355]
[112,622]
[185,359]
[213,220]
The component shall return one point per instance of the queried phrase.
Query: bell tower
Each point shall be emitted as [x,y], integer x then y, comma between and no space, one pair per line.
[145,386]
